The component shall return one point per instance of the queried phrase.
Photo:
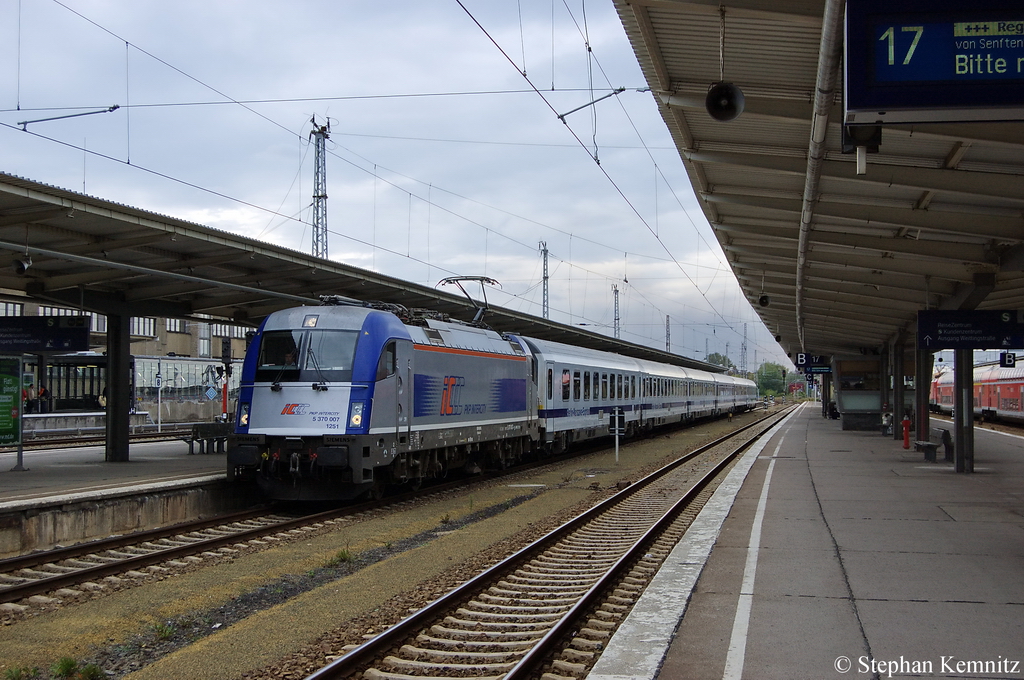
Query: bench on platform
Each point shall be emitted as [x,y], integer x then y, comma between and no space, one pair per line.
[211,437]
[930,448]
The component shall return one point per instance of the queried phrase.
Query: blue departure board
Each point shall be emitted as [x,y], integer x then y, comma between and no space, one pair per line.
[912,61]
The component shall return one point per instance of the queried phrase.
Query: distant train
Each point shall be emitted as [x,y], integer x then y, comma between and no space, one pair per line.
[997,393]
[340,401]
[77,381]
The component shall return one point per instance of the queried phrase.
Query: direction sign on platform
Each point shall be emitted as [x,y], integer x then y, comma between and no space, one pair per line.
[804,361]
[942,329]
[44,334]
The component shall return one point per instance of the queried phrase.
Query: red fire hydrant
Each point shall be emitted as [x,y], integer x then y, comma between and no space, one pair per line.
[906,431]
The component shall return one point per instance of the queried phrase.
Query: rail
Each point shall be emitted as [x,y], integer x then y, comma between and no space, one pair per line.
[531,653]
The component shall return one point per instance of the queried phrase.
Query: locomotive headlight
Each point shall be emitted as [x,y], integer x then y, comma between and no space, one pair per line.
[355,414]
[243,415]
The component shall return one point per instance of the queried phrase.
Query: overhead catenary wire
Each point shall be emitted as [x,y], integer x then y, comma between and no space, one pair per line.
[594,157]
[286,218]
[301,100]
[232,100]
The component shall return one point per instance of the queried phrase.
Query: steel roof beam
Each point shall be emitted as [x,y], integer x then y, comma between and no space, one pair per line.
[989,226]
[969,295]
[974,183]
[28,215]
[111,245]
[931,249]
[43,282]
[947,270]
[807,12]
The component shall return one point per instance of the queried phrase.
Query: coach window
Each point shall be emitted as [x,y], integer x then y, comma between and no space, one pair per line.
[565,384]
[632,386]
[575,385]
[618,392]
[586,386]
[604,385]
[550,393]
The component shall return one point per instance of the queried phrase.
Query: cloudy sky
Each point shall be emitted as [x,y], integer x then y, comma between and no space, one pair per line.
[443,158]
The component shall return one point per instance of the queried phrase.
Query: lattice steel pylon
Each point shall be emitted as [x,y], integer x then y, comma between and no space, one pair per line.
[545,309]
[743,352]
[615,293]
[320,133]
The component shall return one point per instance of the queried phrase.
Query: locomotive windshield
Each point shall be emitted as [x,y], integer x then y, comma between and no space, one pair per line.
[329,354]
[299,355]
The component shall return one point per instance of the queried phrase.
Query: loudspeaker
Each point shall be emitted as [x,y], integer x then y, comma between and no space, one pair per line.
[724,101]
[21,264]
[764,300]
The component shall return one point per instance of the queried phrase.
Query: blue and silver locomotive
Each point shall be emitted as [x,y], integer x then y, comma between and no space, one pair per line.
[340,401]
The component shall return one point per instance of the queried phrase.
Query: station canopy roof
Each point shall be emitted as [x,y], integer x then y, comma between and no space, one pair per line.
[86,253]
[845,260]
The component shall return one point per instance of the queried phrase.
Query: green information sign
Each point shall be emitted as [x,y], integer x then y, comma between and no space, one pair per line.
[10,400]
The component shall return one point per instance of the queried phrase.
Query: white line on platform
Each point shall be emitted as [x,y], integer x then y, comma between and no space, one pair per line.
[638,648]
[738,641]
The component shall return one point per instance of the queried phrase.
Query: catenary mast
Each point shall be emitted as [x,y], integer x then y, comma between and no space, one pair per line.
[320,134]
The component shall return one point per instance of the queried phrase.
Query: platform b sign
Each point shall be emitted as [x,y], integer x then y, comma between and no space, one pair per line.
[1007,359]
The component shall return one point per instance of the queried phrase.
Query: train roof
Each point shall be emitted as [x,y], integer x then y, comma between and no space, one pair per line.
[558,351]
[332,317]
[669,371]
[570,354]
[984,374]
[461,336]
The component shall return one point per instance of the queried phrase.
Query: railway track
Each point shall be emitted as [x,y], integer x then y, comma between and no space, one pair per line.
[552,605]
[46,572]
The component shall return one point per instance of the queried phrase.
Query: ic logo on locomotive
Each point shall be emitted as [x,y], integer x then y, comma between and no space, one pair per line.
[451,395]
[294,409]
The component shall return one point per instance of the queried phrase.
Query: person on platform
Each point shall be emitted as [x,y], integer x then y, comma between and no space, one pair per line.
[44,399]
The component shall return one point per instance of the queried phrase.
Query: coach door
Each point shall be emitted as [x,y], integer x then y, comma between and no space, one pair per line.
[403,410]
[392,393]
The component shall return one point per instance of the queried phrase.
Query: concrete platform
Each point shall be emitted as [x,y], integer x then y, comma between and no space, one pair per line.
[838,554]
[82,470]
[72,495]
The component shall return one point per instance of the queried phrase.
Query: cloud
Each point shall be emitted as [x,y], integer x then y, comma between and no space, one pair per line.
[419,186]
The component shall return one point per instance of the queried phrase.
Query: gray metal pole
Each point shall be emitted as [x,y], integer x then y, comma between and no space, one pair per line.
[899,409]
[922,387]
[963,418]
[20,466]
[119,378]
